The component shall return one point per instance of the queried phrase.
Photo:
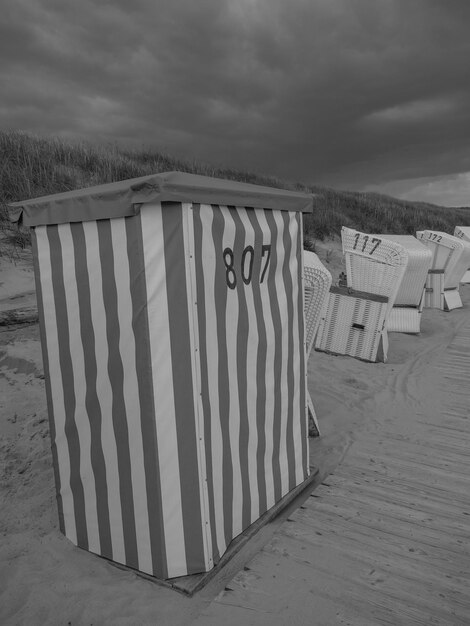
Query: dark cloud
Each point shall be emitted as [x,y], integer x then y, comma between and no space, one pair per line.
[350,93]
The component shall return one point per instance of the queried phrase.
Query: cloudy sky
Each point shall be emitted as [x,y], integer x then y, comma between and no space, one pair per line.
[353,94]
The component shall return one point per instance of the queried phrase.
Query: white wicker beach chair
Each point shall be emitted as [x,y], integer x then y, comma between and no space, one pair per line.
[317,283]
[355,321]
[451,259]
[463,232]
[405,316]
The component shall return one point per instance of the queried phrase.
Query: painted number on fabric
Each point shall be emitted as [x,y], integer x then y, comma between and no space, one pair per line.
[361,242]
[434,237]
[243,267]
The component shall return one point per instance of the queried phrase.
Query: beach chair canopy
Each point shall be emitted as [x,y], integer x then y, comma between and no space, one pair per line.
[405,316]
[419,262]
[356,318]
[374,264]
[450,253]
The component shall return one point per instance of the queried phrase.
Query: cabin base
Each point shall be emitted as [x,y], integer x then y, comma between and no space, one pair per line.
[189,585]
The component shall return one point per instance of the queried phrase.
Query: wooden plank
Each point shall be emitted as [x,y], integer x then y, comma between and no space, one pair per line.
[408,529]
[401,447]
[364,508]
[383,490]
[410,482]
[413,570]
[425,474]
[319,529]
[415,494]
[362,594]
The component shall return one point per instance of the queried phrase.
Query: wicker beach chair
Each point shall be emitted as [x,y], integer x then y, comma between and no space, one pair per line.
[450,261]
[355,321]
[405,316]
[463,232]
[317,283]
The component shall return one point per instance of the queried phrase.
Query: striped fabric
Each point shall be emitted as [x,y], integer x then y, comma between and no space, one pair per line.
[173,346]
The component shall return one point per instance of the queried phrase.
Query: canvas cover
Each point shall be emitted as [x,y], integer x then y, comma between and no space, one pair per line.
[124,198]
[173,345]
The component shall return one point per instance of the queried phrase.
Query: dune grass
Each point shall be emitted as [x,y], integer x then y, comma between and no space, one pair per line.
[32,166]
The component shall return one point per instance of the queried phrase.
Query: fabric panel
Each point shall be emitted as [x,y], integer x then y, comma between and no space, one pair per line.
[67,390]
[181,357]
[140,324]
[47,375]
[253,368]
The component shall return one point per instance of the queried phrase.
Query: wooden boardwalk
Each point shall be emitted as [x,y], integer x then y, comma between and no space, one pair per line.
[385,539]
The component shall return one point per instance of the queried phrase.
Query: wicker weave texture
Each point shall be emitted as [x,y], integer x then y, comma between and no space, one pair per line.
[404,320]
[352,326]
[434,294]
[373,264]
[414,279]
[450,253]
[317,283]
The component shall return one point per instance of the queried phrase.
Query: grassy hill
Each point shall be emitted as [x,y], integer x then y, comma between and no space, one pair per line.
[31,166]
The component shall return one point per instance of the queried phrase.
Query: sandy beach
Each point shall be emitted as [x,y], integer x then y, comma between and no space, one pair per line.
[44,579]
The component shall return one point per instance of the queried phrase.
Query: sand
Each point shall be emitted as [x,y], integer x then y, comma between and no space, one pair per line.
[44,579]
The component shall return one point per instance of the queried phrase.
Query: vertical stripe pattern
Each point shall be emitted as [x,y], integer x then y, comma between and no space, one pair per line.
[71,432]
[175,376]
[171,354]
[209,314]
[140,325]
[96,343]
[47,372]
[181,357]
[250,318]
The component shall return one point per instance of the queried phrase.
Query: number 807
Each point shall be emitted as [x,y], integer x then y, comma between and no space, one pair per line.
[246,265]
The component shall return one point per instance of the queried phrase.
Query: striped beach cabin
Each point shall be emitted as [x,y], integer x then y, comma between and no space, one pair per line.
[172,327]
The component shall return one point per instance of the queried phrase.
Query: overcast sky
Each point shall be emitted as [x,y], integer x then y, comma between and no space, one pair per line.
[353,94]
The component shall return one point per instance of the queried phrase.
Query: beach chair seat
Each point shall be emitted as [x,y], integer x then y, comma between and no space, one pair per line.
[317,282]
[463,232]
[452,255]
[405,316]
[355,323]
